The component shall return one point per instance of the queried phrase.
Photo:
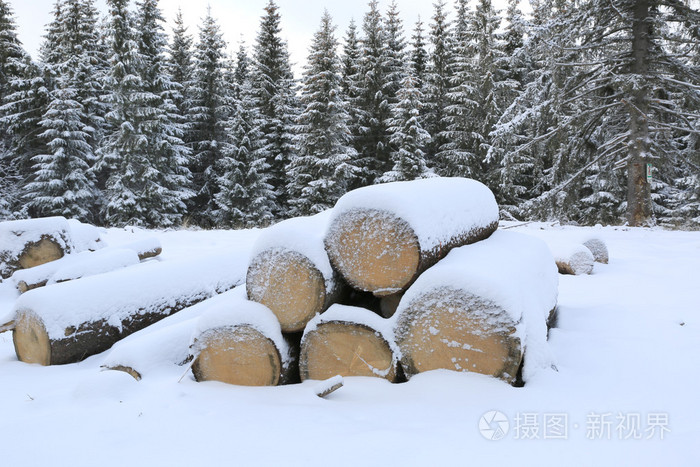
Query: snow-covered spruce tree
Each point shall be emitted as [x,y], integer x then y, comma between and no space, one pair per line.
[351,83]
[457,154]
[437,77]
[245,198]
[16,72]
[373,104]
[419,55]
[241,72]
[408,136]
[325,165]
[274,88]
[396,64]
[179,63]
[208,110]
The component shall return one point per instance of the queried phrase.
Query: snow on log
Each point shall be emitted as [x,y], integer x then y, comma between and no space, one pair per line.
[165,344]
[241,344]
[28,243]
[480,309]
[348,341]
[382,237]
[86,237]
[290,273]
[572,258]
[85,263]
[598,248]
[70,321]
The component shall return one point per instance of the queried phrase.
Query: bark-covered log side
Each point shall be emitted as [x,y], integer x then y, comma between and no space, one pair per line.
[93,337]
[347,349]
[455,330]
[239,355]
[376,251]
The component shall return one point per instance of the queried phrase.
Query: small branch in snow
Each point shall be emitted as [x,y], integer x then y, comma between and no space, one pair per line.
[7,327]
[186,370]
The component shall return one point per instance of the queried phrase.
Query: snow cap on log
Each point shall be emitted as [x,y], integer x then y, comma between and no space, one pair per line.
[289,271]
[348,341]
[239,343]
[31,242]
[480,309]
[382,237]
[67,322]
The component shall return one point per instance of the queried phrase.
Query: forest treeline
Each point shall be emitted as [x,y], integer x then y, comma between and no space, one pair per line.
[582,111]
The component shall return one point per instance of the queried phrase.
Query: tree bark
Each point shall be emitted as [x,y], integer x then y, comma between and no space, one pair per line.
[639,209]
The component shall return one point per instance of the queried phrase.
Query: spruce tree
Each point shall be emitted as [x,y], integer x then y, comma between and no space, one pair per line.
[351,83]
[419,55]
[408,136]
[209,109]
[273,88]
[324,167]
[180,63]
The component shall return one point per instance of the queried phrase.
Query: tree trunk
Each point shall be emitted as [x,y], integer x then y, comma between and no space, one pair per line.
[639,210]
[70,321]
[348,344]
[377,250]
[290,285]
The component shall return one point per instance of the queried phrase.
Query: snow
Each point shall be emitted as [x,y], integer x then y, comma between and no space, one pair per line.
[85,236]
[626,344]
[92,263]
[243,312]
[303,235]
[512,270]
[437,209]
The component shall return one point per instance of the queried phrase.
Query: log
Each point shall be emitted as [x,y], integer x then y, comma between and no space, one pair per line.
[86,237]
[481,309]
[31,242]
[382,237]
[166,344]
[86,263]
[572,258]
[290,272]
[9,326]
[598,248]
[240,344]
[329,386]
[70,321]
[348,341]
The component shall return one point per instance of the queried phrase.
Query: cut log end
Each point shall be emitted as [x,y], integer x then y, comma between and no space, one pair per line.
[578,263]
[346,349]
[288,284]
[374,250]
[45,250]
[32,343]
[455,330]
[237,355]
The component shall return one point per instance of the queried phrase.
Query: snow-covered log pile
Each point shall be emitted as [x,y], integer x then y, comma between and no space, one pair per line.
[382,237]
[289,271]
[70,321]
[348,341]
[480,309]
[28,243]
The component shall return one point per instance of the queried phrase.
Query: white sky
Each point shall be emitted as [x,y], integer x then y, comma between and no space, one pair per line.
[300,19]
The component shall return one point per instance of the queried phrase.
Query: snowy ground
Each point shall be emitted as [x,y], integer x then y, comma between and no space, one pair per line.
[626,347]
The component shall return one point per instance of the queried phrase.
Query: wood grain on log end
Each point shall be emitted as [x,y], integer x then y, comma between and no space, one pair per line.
[346,349]
[238,355]
[37,253]
[289,284]
[454,330]
[374,250]
[32,343]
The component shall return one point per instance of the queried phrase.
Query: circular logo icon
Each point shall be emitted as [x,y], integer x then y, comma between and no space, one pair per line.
[494,425]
